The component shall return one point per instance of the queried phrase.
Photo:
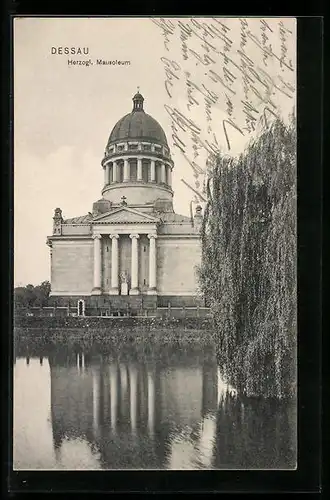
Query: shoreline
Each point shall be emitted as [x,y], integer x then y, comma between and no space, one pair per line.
[112,323]
[125,330]
[124,335]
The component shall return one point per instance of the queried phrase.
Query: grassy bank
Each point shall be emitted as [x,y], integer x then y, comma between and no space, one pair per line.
[112,323]
[119,331]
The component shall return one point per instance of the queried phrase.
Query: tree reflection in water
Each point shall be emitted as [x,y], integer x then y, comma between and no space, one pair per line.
[170,409]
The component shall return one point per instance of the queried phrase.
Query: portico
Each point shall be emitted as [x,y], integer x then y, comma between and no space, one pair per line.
[124,268]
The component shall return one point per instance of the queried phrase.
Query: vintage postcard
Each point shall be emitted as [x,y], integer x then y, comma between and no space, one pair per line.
[155,243]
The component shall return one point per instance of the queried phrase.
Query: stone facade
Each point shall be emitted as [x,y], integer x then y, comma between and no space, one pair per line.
[132,244]
[177,258]
[72,267]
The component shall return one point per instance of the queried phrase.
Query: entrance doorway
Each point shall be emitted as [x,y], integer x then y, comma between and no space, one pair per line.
[81,308]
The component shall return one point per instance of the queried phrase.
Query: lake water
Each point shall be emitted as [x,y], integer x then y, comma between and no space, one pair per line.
[93,409]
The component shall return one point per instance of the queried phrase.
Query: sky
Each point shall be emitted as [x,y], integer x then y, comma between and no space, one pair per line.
[190,74]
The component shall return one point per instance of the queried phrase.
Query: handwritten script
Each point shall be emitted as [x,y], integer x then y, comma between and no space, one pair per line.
[226,79]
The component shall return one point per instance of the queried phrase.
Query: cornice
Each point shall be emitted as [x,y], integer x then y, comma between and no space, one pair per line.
[148,155]
[148,185]
[56,237]
[132,140]
[85,224]
[109,223]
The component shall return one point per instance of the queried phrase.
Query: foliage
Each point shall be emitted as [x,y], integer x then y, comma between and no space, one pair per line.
[32,296]
[248,271]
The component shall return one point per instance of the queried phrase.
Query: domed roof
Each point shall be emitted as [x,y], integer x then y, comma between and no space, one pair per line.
[138,125]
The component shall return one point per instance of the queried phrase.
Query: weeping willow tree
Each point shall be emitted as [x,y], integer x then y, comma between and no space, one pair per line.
[248,271]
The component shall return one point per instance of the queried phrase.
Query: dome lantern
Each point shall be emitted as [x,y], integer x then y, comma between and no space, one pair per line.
[138,101]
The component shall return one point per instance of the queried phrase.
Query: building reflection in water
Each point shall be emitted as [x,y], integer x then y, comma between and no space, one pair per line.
[133,397]
[130,410]
[134,412]
[96,400]
[151,403]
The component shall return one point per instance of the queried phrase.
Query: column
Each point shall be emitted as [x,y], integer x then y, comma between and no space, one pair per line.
[97,265]
[139,169]
[163,173]
[114,172]
[134,265]
[152,265]
[114,264]
[152,171]
[126,171]
[105,175]
[169,171]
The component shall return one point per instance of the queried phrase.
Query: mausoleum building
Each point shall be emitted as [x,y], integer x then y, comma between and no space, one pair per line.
[132,248]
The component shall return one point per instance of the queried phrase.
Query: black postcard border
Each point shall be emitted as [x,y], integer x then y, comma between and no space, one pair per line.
[307,476]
